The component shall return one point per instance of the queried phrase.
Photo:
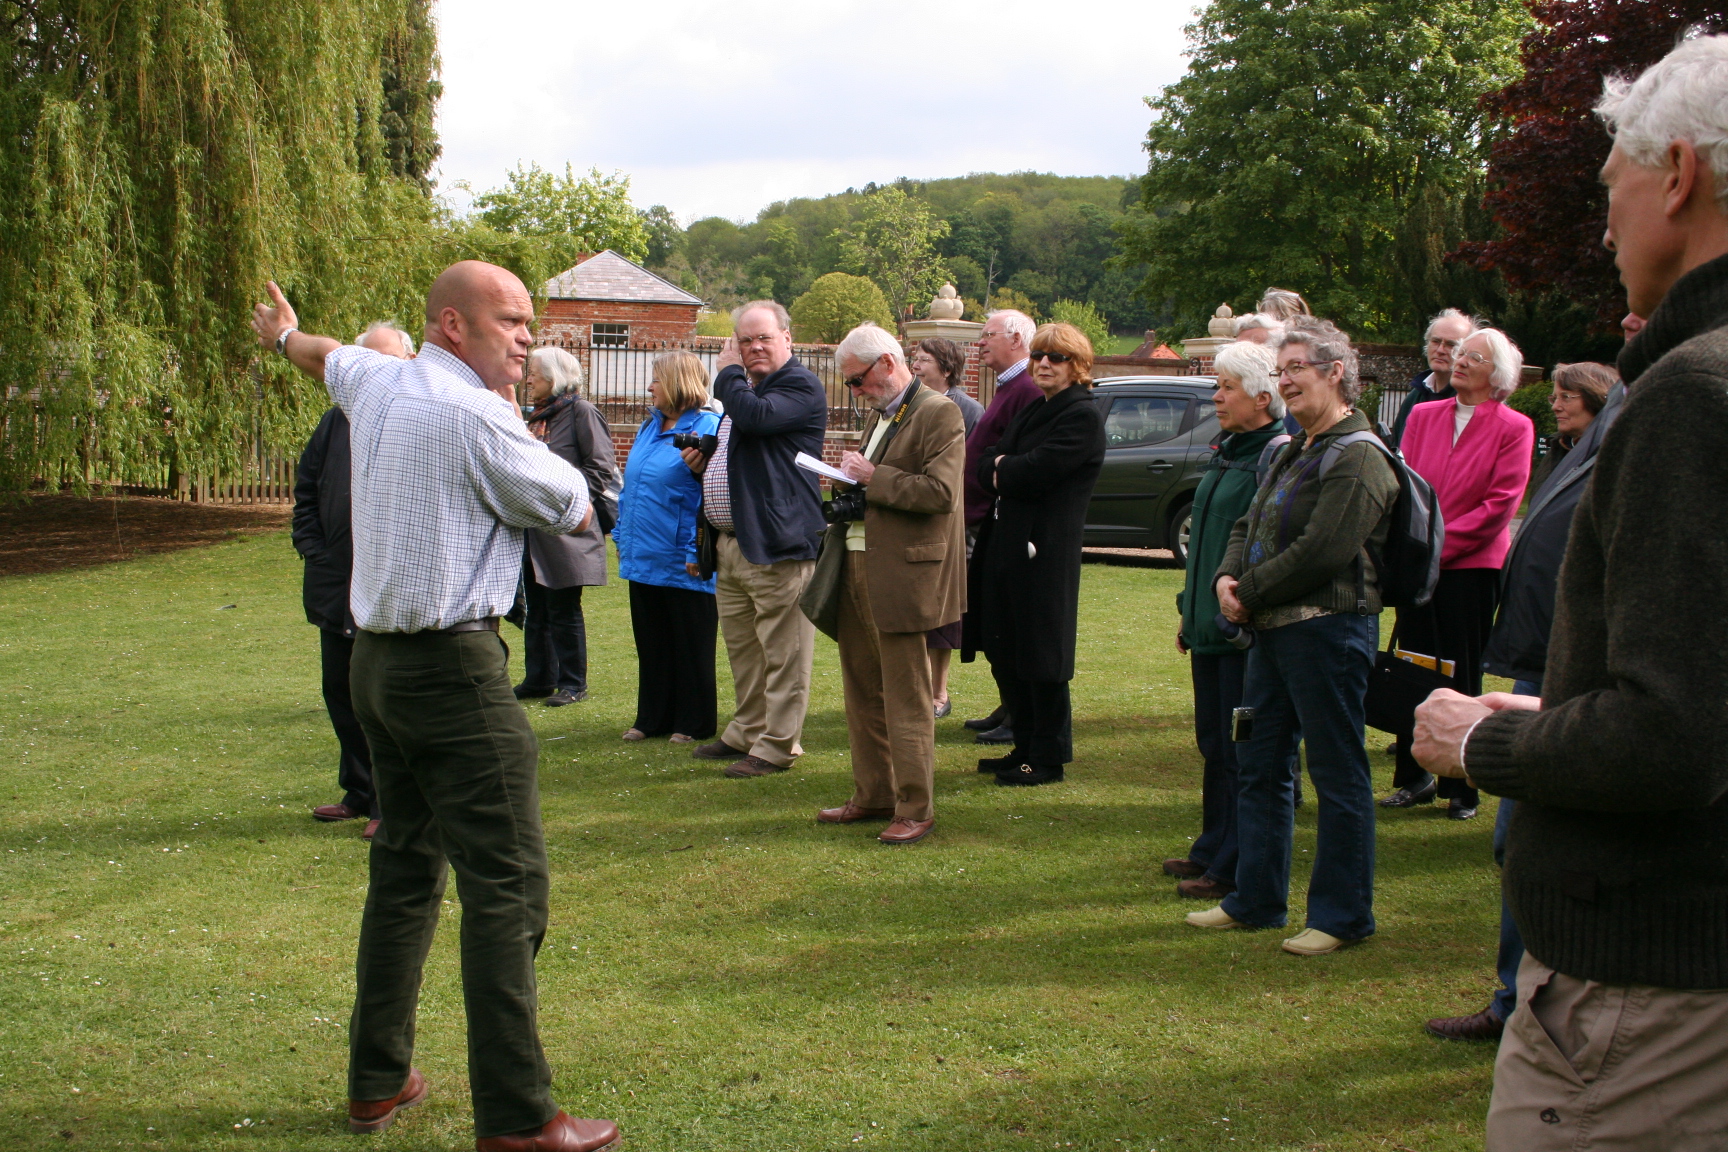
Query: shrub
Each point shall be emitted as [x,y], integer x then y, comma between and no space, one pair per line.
[1532,400]
[1085,317]
[836,304]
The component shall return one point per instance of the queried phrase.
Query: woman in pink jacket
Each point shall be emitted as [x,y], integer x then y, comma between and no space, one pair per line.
[1476,453]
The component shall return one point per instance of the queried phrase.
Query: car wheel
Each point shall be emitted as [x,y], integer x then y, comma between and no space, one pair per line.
[1181,527]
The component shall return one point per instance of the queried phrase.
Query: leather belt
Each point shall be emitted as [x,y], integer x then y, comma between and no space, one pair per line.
[488,624]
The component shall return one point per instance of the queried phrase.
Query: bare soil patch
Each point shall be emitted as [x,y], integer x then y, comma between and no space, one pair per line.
[50,533]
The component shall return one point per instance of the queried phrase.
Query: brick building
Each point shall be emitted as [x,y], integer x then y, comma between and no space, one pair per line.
[608,301]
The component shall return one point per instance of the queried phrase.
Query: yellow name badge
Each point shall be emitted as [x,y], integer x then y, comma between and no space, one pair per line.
[1447,668]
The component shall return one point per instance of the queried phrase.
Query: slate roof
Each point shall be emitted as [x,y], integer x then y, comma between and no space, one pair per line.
[608,276]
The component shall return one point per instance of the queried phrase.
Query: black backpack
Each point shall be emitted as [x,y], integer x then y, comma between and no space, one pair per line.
[1409,564]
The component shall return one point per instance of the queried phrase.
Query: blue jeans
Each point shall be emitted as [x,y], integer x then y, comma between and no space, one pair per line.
[1511,952]
[1308,676]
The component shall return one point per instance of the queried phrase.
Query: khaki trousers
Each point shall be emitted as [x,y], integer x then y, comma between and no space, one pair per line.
[1592,1067]
[770,643]
[890,714]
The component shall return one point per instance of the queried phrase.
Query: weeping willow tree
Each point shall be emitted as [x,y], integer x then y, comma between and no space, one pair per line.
[159,160]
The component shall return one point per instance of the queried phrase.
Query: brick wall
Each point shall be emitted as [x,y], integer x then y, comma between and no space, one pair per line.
[572,319]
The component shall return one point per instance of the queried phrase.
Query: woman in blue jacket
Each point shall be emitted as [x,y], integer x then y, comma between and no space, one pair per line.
[672,611]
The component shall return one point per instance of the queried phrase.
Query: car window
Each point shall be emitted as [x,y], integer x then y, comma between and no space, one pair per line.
[1143,420]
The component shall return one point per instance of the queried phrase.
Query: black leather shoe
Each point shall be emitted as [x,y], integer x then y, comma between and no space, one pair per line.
[1001,735]
[1408,798]
[984,724]
[528,692]
[1456,810]
[991,765]
[565,696]
[1028,775]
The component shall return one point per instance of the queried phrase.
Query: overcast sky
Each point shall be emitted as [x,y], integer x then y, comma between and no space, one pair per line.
[717,109]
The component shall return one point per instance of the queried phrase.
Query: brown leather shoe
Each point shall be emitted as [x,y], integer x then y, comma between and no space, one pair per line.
[1204,888]
[331,813]
[1484,1025]
[752,766]
[850,813]
[904,831]
[717,750]
[375,1115]
[1184,868]
[561,1134]
[371,829]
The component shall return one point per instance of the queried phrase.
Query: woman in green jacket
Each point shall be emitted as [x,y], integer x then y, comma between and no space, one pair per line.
[1250,413]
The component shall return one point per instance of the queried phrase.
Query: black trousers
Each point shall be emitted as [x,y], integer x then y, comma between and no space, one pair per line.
[354,769]
[554,636]
[674,629]
[1043,720]
[1453,626]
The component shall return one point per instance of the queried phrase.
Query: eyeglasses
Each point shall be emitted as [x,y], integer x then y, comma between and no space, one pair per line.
[1474,358]
[746,341]
[1053,357]
[1296,366]
[857,381]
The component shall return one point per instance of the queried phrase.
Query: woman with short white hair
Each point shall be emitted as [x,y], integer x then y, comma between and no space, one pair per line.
[1476,453]
[556,568]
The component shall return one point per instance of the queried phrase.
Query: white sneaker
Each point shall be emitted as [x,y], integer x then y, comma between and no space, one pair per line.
[1313,942]
[1213,918]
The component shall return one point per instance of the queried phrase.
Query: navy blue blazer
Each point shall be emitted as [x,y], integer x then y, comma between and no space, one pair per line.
[776,505]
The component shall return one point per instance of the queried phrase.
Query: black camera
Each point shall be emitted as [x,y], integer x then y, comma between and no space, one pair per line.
[848,505]
[704,443]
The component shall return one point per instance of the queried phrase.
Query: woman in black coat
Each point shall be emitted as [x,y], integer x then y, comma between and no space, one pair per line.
[1028,555]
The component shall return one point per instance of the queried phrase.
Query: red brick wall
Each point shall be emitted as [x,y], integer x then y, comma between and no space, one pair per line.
[570,319]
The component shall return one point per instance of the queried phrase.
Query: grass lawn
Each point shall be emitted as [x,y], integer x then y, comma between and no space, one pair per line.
[721,972]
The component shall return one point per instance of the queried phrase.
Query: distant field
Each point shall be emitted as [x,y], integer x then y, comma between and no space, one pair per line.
[722,973]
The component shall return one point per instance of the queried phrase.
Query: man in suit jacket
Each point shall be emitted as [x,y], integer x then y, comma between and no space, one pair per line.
[322,537]
[905,574]
[1003,348]
[767,516]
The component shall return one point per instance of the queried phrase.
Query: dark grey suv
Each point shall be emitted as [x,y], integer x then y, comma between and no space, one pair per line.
[1158,434]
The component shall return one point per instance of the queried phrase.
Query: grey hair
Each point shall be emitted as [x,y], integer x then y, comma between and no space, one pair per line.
[1325,342]
[867,344]
[1683,96]
[782,318]
[1283,304]
[388,326]
[1260,320]
[558,366]
[1508,362]
[1452,314]
[1015,323]
[1253,365]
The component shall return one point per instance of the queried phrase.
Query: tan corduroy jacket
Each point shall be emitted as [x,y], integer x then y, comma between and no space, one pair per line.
[914,528]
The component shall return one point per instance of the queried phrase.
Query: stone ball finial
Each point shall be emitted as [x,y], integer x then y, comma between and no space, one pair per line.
[1223,323]
[947,305]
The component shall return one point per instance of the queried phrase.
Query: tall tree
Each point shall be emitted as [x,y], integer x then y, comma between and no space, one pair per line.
[573,215]
[1543,187]
[159,159]
[1301,144]
[893,241]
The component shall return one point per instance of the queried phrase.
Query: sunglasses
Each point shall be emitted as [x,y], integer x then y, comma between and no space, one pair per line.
[1053,357]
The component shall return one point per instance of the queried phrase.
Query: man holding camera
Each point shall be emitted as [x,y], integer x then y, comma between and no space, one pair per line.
[766,514]
[905,573]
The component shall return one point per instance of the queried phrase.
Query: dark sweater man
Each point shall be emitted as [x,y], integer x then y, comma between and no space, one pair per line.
[1617,865]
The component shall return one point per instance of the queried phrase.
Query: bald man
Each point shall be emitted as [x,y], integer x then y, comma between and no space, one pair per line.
[445,478]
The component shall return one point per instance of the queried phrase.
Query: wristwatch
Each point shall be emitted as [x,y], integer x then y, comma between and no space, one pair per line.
[282,340]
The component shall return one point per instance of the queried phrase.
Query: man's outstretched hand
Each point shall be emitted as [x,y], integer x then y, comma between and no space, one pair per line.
[272,319]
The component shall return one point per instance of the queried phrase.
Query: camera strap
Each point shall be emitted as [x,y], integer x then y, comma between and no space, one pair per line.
[916,394]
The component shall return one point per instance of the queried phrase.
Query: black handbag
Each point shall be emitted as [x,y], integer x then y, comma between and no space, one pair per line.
[1395,688]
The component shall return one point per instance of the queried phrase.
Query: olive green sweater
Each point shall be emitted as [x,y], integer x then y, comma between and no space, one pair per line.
[1617,863]
[1299,542]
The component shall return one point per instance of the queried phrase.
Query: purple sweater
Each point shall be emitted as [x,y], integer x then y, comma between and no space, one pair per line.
[1012,394]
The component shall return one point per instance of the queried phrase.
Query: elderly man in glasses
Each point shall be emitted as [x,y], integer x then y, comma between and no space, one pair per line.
[1446,332]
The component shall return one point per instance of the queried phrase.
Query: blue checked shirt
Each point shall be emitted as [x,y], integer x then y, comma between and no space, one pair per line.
[445,477]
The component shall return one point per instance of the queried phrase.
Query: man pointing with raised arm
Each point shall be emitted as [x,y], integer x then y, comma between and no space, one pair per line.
[445,477]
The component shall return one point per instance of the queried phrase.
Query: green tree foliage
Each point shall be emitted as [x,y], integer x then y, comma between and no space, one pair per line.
[1018,301]
[159,159]
[1331,146]
[665,237]
[893,241]
[836,304]
[1085,317]
[570,215]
